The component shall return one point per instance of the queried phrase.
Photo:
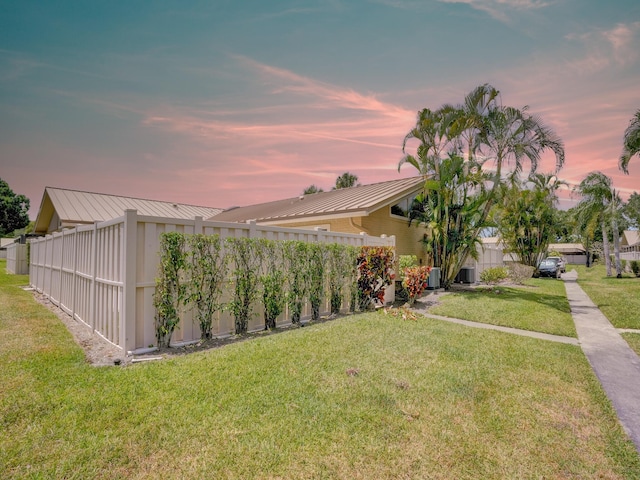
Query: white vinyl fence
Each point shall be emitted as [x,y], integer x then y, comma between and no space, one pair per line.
[104,274]
[489,256]
[17,259]
[630,255]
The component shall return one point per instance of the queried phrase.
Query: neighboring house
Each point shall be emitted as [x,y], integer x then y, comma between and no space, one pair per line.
[61,208]
[630,241]
[630,245]
[573,253]
[376,209]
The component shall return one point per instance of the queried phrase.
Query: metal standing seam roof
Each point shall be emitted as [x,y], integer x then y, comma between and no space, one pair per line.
[362,199]
[631,237]
[86,207]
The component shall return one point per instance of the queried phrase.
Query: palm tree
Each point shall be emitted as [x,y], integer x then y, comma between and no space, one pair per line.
[601,202]
[451,207]
[631,143]
[486,130]
[346,180]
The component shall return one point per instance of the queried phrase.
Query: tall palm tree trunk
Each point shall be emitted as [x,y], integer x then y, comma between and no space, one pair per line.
[616,247]
[605,247]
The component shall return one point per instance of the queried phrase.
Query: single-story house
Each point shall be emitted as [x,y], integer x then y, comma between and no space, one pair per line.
[630,241]
[573,253]
[375,209]
[62,208]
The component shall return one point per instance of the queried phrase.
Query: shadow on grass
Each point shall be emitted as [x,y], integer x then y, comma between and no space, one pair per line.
[529,294]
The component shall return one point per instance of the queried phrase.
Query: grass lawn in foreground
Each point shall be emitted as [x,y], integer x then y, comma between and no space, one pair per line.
[617,298]
[541,306]
[365,396]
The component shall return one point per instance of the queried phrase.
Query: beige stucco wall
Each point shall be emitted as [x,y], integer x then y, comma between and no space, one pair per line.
[380,222]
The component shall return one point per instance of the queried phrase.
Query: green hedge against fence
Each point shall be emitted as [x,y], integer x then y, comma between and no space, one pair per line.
[195,270]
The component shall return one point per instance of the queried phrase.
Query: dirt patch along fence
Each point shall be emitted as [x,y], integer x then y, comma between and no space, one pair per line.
[103,275]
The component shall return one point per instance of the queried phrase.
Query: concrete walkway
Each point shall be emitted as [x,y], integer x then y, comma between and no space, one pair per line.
[515,331]
[614,363]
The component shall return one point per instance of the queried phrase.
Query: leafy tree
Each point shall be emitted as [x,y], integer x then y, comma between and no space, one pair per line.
[312,189]
[14,210]
[631,143]
[526,218]
[346,180]
[566,226]
[491,135]
[632,210]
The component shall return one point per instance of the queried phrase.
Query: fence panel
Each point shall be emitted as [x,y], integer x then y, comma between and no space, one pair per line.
[17,259]
[104,274]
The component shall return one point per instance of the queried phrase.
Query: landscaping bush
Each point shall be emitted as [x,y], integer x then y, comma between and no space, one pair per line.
[246,260]
[635,267]
[406,261]
[518,273]
[317,259]
[206,264]
[170,291]
[375,274]
[494,275]
[415,281]
[341,271]
[297,266]
[273,282]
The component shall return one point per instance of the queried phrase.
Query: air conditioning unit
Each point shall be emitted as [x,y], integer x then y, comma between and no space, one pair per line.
[466,275]
[433,281]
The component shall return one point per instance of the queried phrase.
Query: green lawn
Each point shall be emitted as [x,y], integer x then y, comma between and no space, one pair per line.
[365,396]
[633,339]
[541,306]
[617,298]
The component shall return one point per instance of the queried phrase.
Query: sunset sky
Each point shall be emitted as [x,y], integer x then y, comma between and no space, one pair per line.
[221,103]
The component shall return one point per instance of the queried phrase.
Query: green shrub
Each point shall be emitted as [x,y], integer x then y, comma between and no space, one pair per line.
[406,261]
[297,266]
[206,265]
[273,282]
[171,290]
[316,276]
[494,275]
[246,259]
[635,267]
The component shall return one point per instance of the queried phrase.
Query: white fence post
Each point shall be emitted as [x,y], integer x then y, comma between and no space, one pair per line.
[197,225]
[129,277]
[94,272]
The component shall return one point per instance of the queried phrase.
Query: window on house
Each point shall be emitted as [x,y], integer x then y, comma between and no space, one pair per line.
[402,208]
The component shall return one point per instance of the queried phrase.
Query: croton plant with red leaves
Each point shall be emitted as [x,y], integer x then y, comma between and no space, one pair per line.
[415,281]
[375,274]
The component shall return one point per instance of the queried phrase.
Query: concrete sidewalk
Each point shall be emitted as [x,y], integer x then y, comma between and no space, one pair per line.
[614,363]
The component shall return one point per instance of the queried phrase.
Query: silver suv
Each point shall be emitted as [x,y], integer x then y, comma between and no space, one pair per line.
[561,263]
